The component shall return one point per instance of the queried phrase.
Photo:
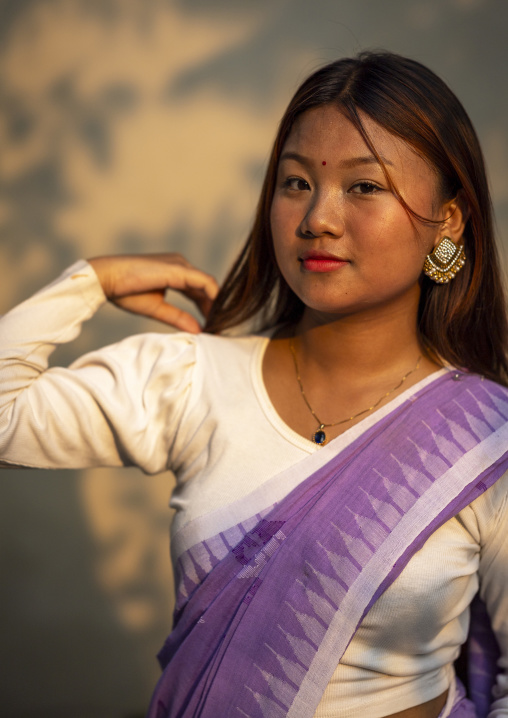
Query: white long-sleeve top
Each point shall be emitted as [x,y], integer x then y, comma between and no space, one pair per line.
[197,405]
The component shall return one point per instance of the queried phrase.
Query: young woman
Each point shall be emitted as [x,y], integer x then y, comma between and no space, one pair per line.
[342,473]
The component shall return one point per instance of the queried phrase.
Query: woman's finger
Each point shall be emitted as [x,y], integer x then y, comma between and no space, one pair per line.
[199,287]
[152,305]
[123,276]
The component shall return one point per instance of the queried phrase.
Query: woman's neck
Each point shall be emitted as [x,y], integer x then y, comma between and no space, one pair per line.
[360,345]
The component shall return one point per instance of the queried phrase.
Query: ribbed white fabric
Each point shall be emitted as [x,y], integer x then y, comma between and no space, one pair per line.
[197,405]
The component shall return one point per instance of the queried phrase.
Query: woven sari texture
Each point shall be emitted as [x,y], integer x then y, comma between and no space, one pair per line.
[267,606]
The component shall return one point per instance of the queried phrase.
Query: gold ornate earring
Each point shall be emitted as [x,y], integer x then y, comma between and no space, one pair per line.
[445,261]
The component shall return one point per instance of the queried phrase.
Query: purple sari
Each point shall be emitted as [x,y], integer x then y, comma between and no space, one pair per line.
[267,606]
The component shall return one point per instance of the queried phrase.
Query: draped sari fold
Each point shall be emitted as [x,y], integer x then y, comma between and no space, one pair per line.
[267,605]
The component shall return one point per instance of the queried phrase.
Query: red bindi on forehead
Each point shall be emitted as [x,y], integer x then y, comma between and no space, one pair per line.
[323,162]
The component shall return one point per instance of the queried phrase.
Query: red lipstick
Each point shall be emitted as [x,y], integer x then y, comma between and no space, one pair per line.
[315,260]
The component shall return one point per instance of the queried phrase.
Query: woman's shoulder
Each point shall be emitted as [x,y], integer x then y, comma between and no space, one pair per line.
[469,383]
[228,344]
[229,359]
[173,354]
[174,343]
[209,346]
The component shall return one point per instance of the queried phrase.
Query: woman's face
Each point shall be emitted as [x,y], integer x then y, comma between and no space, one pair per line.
[342,240]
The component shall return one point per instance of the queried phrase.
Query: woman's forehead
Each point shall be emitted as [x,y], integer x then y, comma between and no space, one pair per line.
[327,130]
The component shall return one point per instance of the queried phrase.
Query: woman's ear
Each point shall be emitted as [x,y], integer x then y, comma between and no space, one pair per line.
[455,214]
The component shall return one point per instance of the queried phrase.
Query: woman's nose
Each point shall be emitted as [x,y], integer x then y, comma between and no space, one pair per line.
[324,216]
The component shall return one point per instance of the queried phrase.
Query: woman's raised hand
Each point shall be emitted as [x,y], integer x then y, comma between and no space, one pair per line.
[138,283]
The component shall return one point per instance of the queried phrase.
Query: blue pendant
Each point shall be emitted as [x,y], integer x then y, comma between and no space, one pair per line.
[319,437]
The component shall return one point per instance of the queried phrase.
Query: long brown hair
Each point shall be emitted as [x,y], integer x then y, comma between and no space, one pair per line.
[464,322]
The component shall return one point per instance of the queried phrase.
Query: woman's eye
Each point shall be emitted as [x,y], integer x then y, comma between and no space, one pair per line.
[365,188]
[296,183]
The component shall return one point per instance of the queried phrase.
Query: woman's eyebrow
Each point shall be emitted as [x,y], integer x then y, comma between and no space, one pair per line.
[365,160]
[347,163]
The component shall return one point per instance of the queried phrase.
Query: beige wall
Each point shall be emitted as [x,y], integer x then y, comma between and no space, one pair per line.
[143,125]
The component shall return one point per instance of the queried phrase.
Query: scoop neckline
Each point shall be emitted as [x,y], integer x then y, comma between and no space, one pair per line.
[292,436]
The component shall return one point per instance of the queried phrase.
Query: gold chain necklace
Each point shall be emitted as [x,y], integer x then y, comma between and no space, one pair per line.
[319,436]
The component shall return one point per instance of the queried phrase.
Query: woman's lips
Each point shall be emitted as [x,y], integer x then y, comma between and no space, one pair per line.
[315,261]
